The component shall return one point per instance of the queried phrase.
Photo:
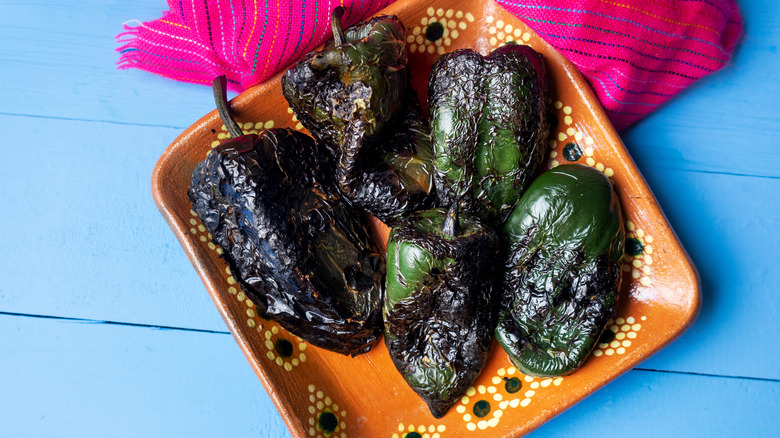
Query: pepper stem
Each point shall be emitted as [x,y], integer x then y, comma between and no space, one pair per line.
[219,85]
[451,225]
[335,25]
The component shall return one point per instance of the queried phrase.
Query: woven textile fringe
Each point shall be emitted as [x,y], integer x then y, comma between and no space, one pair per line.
[636,54]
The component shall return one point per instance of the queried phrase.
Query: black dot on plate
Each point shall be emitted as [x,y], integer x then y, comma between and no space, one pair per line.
[607,337]
[634,247]
[512,385]
[572,152]
[328,422]
[481,408]
[284,348]
[412,435]
[434,31]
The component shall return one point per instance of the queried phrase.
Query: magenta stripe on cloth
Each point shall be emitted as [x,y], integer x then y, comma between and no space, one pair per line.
[636,54]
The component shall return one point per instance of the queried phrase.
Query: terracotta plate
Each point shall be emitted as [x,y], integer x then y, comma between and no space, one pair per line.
[320,393]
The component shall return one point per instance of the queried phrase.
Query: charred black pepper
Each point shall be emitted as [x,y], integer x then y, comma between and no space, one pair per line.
[354,97]
[297,249]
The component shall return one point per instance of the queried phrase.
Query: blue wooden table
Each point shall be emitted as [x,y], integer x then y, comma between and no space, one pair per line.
[106,330]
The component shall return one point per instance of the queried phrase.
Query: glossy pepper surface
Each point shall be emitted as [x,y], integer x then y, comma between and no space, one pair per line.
[298,250]
[354,97]
[489,127]
[441,303]
[565,239]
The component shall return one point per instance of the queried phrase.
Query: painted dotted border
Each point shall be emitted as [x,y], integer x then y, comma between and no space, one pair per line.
[483,406]
[502,33]
[639,264]
[247,128]
[322,407]
[409,431]
[620,335]
[452,24]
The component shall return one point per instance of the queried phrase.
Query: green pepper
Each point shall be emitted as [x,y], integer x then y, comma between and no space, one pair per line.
[441,302]
[297,249]
[489,127]
[565,241]
[354,96]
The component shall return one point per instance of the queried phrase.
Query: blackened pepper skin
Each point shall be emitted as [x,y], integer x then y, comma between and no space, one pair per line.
[394,174]
[441,303]
[489,127]
[565,239]
[354,96]
[294,245]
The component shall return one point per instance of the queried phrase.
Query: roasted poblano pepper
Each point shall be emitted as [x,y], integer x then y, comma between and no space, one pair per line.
[565,240]
[441,302]
[298,250]
[489,127]
[354,96]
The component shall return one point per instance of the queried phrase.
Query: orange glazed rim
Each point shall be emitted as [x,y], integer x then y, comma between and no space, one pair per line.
[320,393]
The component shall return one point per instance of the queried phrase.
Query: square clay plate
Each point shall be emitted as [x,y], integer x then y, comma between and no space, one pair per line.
[366,395]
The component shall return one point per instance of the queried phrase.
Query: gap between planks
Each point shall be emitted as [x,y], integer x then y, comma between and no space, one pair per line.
[97,321]
[180,128]
[221,332]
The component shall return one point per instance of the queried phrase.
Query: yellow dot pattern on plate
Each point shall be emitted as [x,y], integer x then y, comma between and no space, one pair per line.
[639,264]
[429,431]
[437,30]
[321,405]
[281,346]
[566,114]
[503,33]
[484,405]
[615,341]
[247,128]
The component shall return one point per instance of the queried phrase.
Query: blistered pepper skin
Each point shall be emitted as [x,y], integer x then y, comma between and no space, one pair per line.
[296,248]
[354,96]
[394,175]
[489,127]
[565,240]
[360,82]
[441,303]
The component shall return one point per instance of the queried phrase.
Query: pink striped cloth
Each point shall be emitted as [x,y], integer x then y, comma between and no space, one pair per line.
[636,54]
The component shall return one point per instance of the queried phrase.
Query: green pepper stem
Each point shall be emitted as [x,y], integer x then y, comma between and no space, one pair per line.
[335,25]
[219,85]
[451,225]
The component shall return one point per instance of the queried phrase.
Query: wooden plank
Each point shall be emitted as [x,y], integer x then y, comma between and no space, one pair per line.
[728,225]
[84,224]
[67,379]
[728,121]
[59,61]
[81,233]
[649,405]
